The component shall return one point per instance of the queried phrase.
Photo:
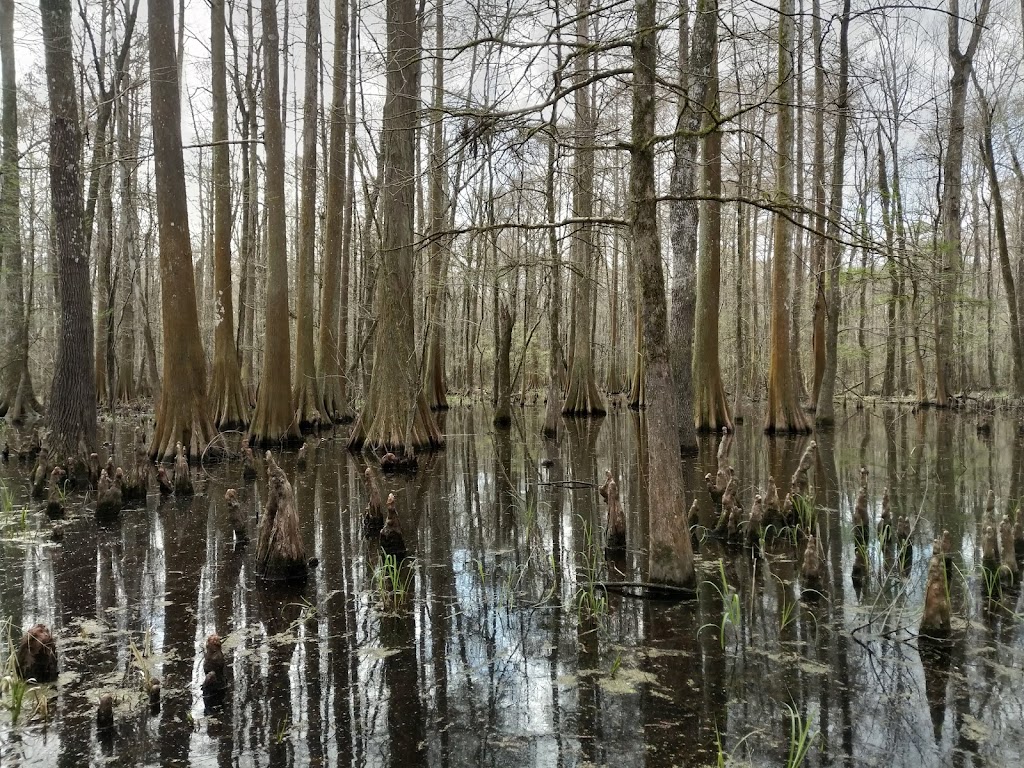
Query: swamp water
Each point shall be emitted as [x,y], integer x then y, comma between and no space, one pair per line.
[506,652]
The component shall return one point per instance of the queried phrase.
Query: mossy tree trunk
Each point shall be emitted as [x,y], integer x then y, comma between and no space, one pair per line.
[395,416]
[334,402]
[581,396]
[305,388]
[784,413]
[671,556]
[72,404]
[182,415]
[17,397]
[229,403]
[274,418]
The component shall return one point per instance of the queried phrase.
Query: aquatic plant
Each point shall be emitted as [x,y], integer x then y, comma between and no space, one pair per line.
[281,732]
[806,514]
[591,600]
[142,661]
[801,738]
[392,582]
[732,613]
[15,690]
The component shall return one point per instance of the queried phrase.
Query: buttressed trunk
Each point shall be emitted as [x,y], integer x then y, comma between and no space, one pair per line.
[182,415]
[395,416]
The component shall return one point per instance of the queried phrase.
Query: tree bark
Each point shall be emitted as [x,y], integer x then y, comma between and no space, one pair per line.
[305,388]
[892,269]
[72,405]
[670,559]
[104,252]
[128,260]
[274,419]
[229,404]
[1009,286]
[581,396]
[949,210]
[825,410]
[17,397]
[710,407]
[435,389]
[784,414]
[395,416]
[503,411]
[333,389]
[684,212]
[818,183]
[182,415]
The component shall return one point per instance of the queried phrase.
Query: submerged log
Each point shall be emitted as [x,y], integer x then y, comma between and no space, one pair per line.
[280,552]
[182,473]
[935,621]
[391,540]
[616,533]
[37,655]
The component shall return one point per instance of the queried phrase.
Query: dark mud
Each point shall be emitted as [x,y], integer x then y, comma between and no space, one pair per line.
[506,651]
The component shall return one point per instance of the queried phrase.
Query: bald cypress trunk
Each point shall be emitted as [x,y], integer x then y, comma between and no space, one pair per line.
[305,388]
[961,63]
[784,414]
[228,400]
[395,416]
[671,556]
[274,419]
[333,389]
[581,396]
[72,405]
[17,398]
[182,415]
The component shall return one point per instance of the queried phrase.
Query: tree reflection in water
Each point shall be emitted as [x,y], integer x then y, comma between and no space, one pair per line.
[491,662]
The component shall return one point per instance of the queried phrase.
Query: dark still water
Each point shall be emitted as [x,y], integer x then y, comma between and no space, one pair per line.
[505,652]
